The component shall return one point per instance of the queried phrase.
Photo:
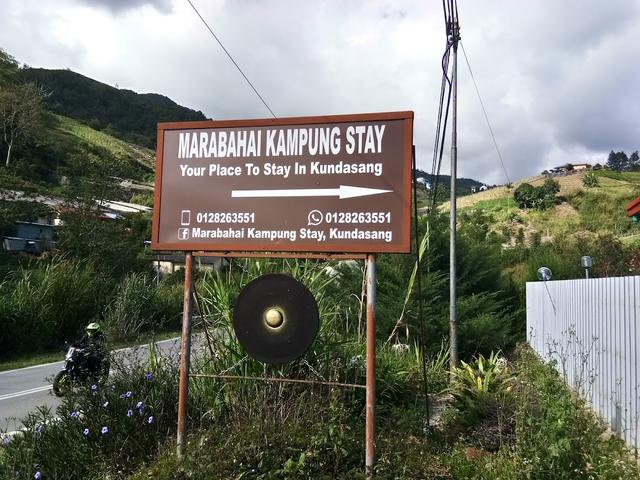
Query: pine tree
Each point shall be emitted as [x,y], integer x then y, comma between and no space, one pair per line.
[618,161]
[634,162]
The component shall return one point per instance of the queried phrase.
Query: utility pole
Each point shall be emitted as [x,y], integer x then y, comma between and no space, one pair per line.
[453,37]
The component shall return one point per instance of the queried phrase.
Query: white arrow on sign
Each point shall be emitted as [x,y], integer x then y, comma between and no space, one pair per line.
[344,191]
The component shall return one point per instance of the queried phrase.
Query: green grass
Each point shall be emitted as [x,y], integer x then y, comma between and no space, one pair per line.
[501,209]
[631,177]
[544,433]
[118,148]
[602,211]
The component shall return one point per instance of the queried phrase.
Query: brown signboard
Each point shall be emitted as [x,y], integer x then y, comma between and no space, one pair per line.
[328,184]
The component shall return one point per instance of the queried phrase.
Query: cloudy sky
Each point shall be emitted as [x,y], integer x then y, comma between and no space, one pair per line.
[560,79]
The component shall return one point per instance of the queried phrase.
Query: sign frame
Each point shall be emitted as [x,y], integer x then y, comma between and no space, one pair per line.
[336,247]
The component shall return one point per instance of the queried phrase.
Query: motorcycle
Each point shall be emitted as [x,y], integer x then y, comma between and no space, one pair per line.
[80,365]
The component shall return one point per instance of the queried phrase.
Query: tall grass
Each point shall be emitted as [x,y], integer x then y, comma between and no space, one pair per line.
[337,355]
[44,305]
[48,302]
[140,304]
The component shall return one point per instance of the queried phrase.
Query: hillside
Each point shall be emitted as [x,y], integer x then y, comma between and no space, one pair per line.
[125,114]
[580,210]
[85,135]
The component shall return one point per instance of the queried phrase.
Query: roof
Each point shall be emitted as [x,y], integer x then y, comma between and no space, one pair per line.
[634,207]
[48,225]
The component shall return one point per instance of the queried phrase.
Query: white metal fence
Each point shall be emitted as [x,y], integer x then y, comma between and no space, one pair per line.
[591,329]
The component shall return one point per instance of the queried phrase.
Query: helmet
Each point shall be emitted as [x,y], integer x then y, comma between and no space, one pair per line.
[92,328]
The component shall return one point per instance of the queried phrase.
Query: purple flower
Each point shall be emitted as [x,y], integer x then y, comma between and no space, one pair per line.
[6,440]
[150,420]
[94,389]
[104,430]
[128,394]
[40,429]
[74,414]
[129,413]
[86,432]
[37,475]
[148,376]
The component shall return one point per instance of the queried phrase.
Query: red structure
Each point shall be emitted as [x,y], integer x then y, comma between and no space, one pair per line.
[633,209]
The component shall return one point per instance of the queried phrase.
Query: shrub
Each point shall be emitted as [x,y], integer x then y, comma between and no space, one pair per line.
[99,431]
[590,180]
[140,305]
[540,198]
[38,300]
[557,434]
[479,386]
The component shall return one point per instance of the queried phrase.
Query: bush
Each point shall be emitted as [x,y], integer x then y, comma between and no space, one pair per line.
[557,434]
[38,300]
[139,305]
[540,198]
[590,180]
[480,386]
[99,431]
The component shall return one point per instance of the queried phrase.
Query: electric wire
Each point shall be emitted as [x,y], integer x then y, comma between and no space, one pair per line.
[441,130]
[484,111]
[450,19]
[232,59]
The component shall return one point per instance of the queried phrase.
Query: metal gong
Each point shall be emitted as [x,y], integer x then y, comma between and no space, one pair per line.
[275,318]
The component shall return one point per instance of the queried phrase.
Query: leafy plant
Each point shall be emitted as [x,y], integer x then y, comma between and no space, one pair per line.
[590,180]
[479,385]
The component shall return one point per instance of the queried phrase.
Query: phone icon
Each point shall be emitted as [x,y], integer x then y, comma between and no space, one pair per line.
[314,218]
[185,217]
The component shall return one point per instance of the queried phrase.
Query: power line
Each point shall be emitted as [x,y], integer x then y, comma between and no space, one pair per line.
[231,58]
[486,117]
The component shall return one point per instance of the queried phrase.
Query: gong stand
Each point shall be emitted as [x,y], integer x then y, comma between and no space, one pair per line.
[274,320]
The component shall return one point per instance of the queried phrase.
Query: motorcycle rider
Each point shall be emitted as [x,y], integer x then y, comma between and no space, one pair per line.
[95,341]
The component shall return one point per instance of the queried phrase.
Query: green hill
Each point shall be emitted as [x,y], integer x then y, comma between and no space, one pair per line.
[580,210]
[85,133]
[125,114]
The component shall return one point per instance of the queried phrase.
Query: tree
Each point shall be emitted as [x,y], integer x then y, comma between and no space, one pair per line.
[21,109]
[525,195]
[541,198]
[8,68]
[634,162]
[618,161]
[551,187]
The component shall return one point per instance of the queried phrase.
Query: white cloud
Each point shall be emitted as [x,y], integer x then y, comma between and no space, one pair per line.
[557,78]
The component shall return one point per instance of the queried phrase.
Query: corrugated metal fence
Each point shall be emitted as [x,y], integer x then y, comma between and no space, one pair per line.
[590,328]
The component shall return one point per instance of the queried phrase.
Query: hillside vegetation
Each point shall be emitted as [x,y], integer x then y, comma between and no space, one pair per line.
[125,114]
[579,210]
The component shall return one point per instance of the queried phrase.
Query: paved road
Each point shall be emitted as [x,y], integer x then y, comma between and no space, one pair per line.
[24,389]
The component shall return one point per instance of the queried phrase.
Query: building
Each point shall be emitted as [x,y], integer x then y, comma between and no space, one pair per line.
[31,237]
[581,166]
[424,182]
[168,263]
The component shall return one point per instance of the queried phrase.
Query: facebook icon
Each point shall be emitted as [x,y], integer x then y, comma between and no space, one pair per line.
[183,234]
